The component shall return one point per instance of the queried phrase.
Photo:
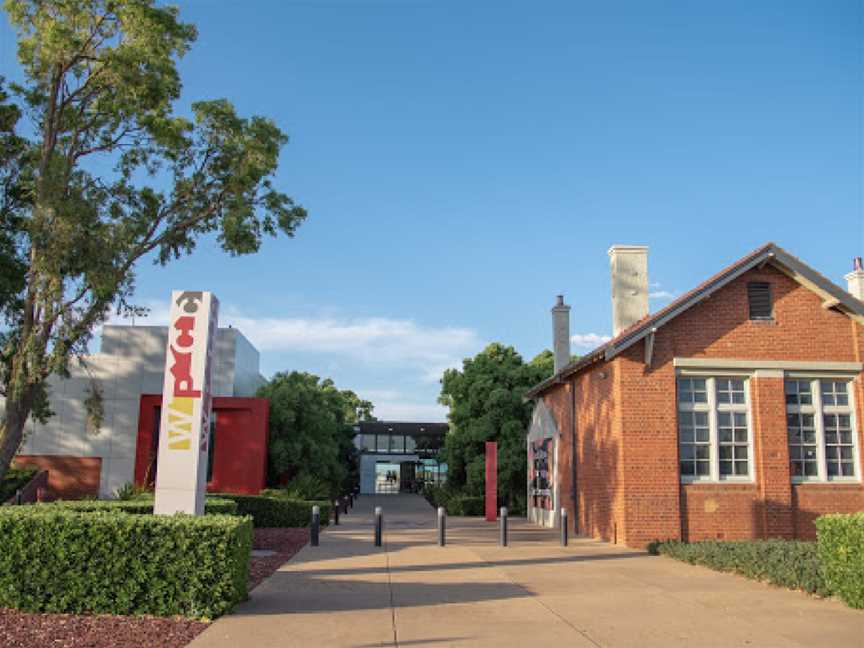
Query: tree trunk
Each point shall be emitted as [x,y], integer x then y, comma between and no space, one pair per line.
[12,430]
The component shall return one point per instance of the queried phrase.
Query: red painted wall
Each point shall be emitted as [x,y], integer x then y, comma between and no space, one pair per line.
[240,446]
[491,481]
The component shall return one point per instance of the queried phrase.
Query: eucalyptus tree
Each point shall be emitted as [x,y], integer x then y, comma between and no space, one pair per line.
[103,174]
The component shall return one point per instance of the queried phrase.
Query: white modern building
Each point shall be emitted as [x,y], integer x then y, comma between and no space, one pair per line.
[130,363]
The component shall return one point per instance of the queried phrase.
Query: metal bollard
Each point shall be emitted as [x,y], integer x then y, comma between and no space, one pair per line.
[316,524]
[442,526]
[18,496]
[336,512]
[379,526]
[502,540]
[563,527]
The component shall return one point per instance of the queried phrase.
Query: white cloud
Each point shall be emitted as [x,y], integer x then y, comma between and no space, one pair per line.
[379,394]
[662,294]
[656,291]
[372,340]
[589,340]
[400,410]
[395,405]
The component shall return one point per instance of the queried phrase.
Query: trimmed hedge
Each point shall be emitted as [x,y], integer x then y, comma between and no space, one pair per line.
[278,511]
[212,506]
[55,559]
[841,550]
[787,563]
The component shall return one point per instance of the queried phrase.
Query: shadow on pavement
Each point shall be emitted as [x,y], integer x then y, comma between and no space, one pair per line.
[434,567]
[295,593]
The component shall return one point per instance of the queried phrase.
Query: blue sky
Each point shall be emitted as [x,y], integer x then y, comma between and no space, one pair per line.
[464,162]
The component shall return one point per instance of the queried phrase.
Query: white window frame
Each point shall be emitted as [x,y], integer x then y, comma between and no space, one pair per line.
[713,408]
[819,410]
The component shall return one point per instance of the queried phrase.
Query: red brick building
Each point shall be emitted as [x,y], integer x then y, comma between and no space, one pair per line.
[735,412]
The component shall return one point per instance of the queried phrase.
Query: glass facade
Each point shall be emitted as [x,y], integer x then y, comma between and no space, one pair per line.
[388,443]
[400,457]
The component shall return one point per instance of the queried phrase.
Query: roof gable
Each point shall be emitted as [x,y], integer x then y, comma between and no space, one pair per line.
[832,295]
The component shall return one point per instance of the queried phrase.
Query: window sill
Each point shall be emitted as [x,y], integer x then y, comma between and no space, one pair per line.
[855,483]
[696,484]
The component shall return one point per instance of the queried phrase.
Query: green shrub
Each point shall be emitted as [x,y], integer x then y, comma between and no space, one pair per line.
[454,503]
[269,511]
[132,491]
[306,487]
[212,506]
[55,559]
[436,495]
[841,550]
[787,563]
[465,505]
[14,479]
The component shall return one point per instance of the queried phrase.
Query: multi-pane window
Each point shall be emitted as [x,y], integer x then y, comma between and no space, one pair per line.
[694,441]
[713,428]
[802,444]
[820,427]
[734,443]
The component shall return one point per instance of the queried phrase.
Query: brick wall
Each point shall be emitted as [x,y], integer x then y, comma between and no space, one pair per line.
[627,424]
[600,493]
[68,477]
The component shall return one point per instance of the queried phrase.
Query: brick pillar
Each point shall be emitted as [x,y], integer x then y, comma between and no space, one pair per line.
[772,515]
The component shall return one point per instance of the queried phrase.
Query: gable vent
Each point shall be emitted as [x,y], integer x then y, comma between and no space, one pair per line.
[759,299]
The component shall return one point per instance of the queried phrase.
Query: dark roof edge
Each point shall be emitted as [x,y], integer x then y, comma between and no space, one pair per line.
[768,253]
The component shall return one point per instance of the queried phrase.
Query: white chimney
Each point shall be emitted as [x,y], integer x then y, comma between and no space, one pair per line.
[561,333]
[855,279]
[629,265]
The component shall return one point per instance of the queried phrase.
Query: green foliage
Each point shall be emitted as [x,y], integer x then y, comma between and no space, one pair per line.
[436,495]
[53,559]
[304,487]
[466,505]
[132,491]
[104,175]
[278,511]
[14,479]
[453,502]
[137,506]
[841,550]
[311,431]
[787,563]
[486,404]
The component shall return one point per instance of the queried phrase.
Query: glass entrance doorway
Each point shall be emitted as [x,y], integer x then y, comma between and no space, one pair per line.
[386,477]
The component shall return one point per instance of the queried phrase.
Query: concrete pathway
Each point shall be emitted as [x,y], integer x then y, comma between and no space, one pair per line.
[347,593]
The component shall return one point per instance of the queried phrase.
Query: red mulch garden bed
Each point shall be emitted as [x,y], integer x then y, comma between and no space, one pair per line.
[285,542]
[29,630]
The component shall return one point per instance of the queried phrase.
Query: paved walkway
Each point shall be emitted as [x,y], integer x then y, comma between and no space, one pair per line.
[347,593]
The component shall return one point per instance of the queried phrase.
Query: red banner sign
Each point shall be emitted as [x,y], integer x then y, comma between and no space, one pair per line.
[491,481]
